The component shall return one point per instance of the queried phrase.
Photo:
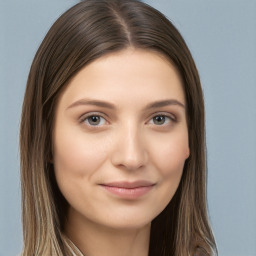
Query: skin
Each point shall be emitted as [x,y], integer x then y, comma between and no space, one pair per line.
[128,141]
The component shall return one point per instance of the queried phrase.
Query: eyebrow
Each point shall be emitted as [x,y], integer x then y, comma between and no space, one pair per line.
[163,103]
[104,104]
[98,103]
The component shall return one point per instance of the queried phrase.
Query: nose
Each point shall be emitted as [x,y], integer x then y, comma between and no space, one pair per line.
[129,151]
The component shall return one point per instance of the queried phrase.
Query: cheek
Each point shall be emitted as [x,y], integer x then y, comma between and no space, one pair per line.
[77,155]
[77,158]
[170,154]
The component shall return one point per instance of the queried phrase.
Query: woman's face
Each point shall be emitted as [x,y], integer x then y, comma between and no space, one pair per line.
[120,139]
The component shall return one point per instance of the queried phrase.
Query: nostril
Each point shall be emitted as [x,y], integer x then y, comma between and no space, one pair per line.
[130,159]
[130,149]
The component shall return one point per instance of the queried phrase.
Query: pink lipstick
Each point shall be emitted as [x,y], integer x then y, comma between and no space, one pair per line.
[129,190]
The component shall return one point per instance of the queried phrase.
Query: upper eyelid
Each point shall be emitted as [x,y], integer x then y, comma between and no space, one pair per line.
[94,113]
[162,113]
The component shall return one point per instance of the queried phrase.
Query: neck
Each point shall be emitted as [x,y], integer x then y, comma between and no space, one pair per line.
[93,239]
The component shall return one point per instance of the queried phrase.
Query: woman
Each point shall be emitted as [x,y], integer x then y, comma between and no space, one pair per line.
[112,138]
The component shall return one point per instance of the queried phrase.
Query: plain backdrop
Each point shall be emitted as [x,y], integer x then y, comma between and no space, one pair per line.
[221,35]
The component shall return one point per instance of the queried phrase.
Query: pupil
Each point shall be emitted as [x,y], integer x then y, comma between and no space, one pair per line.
[94,119]
[159,119]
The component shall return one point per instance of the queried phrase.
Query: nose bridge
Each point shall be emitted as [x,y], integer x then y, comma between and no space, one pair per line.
[130,152]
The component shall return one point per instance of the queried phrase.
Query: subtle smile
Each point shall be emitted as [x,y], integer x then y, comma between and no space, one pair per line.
[129,190]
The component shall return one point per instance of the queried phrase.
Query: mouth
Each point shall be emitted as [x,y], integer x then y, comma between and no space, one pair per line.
[128,190]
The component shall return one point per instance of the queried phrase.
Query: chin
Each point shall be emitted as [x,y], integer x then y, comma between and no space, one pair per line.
[128,224]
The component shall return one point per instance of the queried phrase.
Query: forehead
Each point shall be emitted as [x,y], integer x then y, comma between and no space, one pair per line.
[129,74]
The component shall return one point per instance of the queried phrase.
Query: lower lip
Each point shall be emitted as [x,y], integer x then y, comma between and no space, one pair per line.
[128,193]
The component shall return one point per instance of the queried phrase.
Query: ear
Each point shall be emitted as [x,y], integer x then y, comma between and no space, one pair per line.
[50,157]
[187,154]
[49,160]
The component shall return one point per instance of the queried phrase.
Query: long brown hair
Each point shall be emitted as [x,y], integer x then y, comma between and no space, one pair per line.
[87,31]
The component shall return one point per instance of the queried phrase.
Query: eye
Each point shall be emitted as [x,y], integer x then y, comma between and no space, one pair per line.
[161,120]
[94,120]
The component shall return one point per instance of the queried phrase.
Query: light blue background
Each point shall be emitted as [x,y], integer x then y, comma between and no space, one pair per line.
[222,37]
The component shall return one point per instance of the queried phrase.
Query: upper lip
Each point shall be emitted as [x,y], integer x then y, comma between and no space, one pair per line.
[127,184]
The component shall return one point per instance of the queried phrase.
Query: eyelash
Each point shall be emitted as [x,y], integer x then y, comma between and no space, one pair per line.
[84,119]
[171,119]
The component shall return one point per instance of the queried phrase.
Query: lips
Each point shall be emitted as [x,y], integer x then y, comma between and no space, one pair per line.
[128,190]
[125,184]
